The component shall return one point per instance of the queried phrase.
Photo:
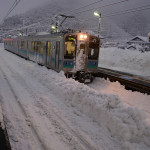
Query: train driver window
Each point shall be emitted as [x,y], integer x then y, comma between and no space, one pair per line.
[70,47]
[93,48]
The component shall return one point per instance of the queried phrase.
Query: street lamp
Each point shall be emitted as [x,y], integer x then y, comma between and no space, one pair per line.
[98,15]
[54,28]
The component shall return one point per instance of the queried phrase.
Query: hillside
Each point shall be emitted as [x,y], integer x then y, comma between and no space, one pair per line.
[42,17]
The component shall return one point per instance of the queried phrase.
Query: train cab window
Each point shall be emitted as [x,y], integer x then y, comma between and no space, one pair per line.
[70,47]
[93,48]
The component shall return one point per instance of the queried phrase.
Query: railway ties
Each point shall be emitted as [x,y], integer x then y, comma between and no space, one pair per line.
[130,81]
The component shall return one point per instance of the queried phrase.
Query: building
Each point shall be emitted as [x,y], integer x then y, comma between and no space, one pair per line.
[140,40]
[139,43]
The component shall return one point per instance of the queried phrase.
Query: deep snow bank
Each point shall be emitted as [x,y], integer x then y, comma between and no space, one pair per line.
[127,124]
[133,62]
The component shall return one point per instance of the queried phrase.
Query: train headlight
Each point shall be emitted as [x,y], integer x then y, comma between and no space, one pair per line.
[85,36]
[81,36]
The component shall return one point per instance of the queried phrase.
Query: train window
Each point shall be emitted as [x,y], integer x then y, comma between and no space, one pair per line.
[70,47]
[41,47]
[32,49]
[57,47]
[51,49]
[29,45]
[22,44]
[93,53]
[93,48]
[48,47]
[82,46]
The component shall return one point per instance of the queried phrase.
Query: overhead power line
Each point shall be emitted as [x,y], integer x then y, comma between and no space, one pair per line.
[12,8]
[83,6]
[141,8]
[129,11]
[111,4]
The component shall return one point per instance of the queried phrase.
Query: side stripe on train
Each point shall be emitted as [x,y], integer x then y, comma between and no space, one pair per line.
[92,64]
[68,64]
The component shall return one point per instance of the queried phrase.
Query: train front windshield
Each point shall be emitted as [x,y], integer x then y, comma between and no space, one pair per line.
[93,48]
[70,47]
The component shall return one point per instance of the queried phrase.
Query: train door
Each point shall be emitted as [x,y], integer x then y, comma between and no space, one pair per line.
[41,52]
[48,53]
[57,54]
[28,47]
[39,49]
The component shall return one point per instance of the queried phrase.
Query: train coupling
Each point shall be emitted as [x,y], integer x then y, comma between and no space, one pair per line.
[85,77]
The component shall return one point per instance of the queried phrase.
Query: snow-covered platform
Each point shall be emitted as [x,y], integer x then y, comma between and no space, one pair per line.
[44,110]
[4,140]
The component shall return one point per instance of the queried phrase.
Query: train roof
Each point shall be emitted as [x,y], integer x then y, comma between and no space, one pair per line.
[54,35]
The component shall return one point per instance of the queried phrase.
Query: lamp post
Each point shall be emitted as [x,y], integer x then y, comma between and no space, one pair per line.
[98,15]
[54,28]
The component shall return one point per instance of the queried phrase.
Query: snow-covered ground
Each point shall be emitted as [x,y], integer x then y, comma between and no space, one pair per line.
[43,110]
[129,61]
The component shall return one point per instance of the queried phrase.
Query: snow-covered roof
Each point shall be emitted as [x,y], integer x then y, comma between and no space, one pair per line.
[131,47]
[141,38]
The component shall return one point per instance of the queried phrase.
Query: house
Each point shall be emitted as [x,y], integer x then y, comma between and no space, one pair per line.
[140,40]
[139,43]
[131,47]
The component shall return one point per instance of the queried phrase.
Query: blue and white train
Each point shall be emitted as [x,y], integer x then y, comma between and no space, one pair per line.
[74,53]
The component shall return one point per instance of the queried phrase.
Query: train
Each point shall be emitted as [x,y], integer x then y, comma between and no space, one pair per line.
[76,54]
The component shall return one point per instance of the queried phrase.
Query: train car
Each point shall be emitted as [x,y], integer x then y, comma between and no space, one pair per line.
[74,53]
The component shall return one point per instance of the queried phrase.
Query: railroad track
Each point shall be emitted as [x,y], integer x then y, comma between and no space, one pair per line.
[131,82]
[25,113]
[79,141]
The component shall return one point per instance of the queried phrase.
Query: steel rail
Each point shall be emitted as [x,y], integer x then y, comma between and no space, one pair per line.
[131,82]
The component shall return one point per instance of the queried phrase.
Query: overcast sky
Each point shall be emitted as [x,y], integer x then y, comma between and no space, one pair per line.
[25,5]
[22,7]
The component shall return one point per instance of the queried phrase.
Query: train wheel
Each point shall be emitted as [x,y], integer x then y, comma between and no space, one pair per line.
[81,78]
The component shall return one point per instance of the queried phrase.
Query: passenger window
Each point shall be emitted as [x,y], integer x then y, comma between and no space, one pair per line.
[22,44]
[32,47]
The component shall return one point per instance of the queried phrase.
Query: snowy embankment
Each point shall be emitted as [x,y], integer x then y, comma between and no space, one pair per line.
[129,61]
[125,123]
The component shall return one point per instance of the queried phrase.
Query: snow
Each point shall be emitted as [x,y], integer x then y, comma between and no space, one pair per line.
[133,62]
[49,111]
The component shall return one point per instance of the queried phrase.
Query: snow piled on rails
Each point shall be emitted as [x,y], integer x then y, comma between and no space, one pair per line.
[127,124]
[131,61]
